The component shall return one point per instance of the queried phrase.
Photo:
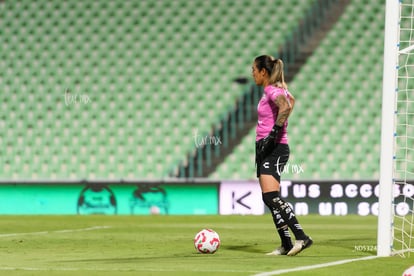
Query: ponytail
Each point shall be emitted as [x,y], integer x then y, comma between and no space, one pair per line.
[274,68]
[277,77]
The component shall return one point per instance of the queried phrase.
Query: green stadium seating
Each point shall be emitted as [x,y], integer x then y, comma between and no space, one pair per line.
[154,71]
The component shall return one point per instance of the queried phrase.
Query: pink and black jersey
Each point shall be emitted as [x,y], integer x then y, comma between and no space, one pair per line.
[267,113]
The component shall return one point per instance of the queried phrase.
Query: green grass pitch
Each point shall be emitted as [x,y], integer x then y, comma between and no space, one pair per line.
[163,245]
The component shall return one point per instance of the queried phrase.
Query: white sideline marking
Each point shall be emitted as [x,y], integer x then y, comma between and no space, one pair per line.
[309,267]
[56,231]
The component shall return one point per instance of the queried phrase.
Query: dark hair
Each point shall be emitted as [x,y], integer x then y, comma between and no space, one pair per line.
[274,67]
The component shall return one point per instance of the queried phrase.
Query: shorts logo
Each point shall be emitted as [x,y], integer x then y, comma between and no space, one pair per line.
[266,165]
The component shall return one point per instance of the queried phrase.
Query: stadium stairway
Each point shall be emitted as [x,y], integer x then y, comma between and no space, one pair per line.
[235,125]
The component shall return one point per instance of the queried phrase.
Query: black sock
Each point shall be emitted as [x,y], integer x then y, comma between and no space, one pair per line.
[282,229]
[274,202]
[285,237]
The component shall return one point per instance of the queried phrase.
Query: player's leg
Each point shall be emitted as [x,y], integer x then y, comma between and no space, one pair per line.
[264,170]
[270,184]
[273,199]
[283,231]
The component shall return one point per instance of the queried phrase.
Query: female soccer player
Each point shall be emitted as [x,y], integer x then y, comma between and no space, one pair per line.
[272,150]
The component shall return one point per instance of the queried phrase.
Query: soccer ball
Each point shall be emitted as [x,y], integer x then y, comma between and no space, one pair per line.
[409,271]
[207,241]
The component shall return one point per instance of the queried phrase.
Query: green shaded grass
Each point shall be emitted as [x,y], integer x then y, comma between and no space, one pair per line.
[162,245]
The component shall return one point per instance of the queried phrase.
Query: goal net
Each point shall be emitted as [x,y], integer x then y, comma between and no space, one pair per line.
[396,202]
[404,138]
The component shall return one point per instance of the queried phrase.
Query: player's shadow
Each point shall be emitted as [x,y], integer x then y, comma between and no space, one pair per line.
[245,248]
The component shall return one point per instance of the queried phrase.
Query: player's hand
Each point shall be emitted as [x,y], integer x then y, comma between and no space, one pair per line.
[267,144]
[266,147]
[274,132]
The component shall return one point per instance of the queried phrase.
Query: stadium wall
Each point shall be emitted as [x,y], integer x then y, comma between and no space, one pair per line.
[192,197]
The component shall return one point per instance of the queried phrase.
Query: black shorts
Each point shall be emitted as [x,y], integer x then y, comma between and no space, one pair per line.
[274,163]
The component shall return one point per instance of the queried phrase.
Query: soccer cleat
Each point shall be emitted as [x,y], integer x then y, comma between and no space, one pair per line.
[299,246]
[278,251]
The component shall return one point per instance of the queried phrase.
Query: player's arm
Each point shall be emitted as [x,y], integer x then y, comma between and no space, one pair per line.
[285,108]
